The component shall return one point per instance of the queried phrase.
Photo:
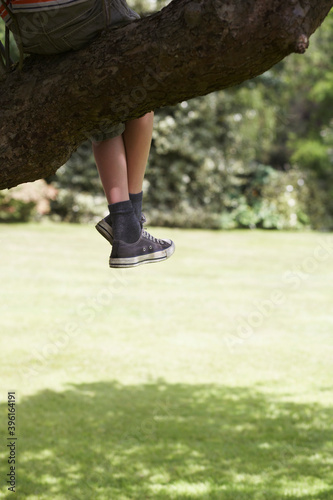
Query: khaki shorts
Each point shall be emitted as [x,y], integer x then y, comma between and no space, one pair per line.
[61,29]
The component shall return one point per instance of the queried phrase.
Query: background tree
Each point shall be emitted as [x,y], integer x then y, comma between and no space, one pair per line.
[245,157]
[256,155]
[188,49]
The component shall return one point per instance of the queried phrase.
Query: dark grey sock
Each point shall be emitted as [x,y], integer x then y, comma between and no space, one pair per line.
[125,225]
[136,200]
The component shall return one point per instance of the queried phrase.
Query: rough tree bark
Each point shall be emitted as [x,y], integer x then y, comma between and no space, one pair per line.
[190,48]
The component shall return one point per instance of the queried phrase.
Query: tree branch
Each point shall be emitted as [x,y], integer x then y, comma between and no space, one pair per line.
[190,48]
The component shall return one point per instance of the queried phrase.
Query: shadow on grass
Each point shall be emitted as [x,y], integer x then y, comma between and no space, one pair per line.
[159,441]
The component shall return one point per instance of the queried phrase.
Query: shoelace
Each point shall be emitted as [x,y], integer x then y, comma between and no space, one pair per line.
[143,219]
[147,235]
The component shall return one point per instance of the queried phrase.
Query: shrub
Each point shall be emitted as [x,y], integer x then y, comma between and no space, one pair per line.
[73,206]
[22,203]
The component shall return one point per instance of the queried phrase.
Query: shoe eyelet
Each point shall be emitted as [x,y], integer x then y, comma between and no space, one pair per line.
[144,249]
[150,247]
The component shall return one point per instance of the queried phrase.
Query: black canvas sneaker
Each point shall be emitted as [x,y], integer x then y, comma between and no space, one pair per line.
[105,229]
[147,249]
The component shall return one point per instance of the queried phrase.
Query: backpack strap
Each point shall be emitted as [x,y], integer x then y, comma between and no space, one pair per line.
[2,57]
[8,61]
[7,49]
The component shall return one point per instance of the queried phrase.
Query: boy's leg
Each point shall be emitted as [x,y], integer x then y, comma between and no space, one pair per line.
[121,163]
[110,158]
[137,140]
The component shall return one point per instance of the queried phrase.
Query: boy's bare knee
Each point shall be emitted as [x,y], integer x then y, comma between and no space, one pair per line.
[147,118]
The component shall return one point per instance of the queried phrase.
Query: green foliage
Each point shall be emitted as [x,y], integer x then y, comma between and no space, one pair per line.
[77,206]
[80,194]
[79,173]
[12,210]
[312,155]
[26,201]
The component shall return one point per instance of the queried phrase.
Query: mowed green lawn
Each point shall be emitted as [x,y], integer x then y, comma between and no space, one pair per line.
[208,376]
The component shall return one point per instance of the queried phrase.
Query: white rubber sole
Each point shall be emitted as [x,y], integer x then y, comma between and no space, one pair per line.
[104,229]
[143,259]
